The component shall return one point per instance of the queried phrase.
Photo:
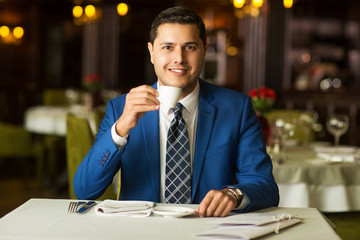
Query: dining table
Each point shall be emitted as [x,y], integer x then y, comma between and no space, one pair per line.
[49,219]
[51,120]
[318,176]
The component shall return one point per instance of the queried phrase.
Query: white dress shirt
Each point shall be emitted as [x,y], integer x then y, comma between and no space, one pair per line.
[166,115]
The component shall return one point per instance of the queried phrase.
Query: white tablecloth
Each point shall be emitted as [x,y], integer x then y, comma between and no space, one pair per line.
[48,219]
[52,120]
[304,180]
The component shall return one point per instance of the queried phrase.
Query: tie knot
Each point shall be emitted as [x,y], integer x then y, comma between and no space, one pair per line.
[177,109]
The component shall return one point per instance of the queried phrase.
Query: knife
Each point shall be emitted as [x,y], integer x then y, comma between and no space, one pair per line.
[86,206]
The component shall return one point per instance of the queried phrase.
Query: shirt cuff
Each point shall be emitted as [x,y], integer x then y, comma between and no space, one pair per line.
[244,203]
[120,142]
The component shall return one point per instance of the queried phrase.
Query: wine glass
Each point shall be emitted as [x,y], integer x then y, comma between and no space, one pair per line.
[337,125]
[306,123]
[286,126]
[282,128]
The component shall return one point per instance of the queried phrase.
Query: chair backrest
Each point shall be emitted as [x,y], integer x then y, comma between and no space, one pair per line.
[54,97]
[79,139]
[15,141]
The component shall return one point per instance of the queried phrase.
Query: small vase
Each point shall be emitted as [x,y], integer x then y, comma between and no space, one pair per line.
[265,127]
[96,98]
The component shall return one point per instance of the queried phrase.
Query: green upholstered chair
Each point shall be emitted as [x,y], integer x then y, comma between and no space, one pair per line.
[54,145]
[54,97]
[79,140]
[299,133]
[17,143]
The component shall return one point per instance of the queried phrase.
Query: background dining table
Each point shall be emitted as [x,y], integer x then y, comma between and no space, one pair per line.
[51,120]
[50,219]
[312,176]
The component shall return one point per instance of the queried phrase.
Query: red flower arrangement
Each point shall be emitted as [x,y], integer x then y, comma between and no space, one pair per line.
[262,99]
[92,82]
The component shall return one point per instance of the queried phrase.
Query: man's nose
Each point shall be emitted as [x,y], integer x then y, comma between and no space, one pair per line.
[179,55]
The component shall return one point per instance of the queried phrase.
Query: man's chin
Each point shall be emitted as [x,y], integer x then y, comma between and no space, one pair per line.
[178,82]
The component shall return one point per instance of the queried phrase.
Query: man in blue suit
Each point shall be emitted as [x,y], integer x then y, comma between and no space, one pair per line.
[230,169]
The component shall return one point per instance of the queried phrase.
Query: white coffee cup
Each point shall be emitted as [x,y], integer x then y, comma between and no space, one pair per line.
[169,96]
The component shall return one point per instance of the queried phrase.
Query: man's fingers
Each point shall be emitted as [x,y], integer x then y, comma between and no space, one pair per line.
[217,204]
[203,206]
[139,100]
[142,98]
[143,89]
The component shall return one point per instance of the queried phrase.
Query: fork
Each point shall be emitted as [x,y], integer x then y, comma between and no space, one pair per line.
[73,206]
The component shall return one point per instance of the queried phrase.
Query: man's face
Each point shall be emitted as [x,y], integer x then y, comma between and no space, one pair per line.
[178,55]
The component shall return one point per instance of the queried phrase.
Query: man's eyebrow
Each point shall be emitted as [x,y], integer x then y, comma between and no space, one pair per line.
[167,43]
[186,43]
[192,43]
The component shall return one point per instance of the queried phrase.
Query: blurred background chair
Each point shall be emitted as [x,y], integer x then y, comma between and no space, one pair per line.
[79,139]
[54,97]
[302,124]
[17,143]
[54,145]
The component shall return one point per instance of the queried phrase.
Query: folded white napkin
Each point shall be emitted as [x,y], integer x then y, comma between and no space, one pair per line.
[336,157]
[125,208]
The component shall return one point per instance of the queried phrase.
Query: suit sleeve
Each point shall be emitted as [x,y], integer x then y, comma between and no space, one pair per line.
[97,170]
[254,166]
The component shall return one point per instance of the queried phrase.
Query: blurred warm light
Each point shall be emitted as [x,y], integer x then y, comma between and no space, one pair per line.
[11,35]
[336,83]
[325,84]
[305,58]
[257,3]
[77,11]
[254,12]
[18,32]
[239,3]
[232,51]
[122,9]
[288,3]
[4,31]
[239,13]
[247,9]
[90,11]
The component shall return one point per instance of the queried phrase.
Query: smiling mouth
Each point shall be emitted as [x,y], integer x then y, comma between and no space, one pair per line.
[177,70]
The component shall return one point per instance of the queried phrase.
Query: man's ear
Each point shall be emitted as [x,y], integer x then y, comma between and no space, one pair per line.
[150,47]
[205,49]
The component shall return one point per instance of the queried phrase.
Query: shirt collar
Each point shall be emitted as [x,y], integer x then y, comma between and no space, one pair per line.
[190,102]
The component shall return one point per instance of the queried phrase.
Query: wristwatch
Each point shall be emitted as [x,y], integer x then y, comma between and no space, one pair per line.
[237,194]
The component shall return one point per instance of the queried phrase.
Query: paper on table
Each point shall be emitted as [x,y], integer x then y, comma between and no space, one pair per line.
[252,219]
[125,208]
[249,226]
[246,231]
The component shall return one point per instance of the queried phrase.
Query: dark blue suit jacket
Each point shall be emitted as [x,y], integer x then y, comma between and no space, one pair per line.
[229,150]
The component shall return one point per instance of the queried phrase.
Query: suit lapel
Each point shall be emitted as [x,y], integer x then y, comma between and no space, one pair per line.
[204,127]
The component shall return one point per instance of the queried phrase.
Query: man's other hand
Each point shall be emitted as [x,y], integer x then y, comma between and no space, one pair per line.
[217,204]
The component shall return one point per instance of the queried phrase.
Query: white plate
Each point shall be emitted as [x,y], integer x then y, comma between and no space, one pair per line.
[319,144]
[339,149]
[172,211]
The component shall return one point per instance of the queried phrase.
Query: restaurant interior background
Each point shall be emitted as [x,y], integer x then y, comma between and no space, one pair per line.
[309,54]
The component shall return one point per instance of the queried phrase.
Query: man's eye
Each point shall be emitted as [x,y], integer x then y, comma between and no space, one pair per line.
[167,47]
[190,47]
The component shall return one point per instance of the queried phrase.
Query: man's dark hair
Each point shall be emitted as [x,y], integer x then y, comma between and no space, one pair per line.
[179,15]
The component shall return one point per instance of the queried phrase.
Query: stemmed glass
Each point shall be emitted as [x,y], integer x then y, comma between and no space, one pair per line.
[283,127]
[307,120]
[337,125]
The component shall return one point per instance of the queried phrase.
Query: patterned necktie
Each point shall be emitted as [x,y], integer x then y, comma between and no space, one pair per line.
[178,167]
